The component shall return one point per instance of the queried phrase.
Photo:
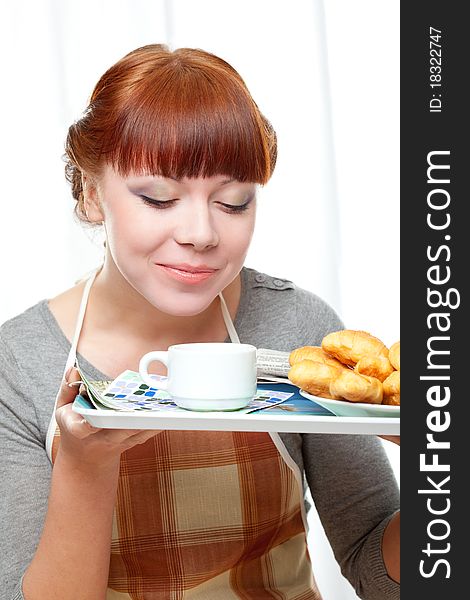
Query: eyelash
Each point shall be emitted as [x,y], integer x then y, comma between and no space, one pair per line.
[236,209]
[163,204]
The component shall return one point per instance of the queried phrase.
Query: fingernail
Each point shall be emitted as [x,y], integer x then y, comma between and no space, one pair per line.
[72,383]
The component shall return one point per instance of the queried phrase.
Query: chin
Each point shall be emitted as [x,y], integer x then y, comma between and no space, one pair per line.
[188,306]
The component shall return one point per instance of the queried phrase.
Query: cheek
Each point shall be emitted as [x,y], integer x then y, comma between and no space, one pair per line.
[134,229]
[238,236]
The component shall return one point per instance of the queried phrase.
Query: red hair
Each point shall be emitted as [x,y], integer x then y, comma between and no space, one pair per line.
[185,113]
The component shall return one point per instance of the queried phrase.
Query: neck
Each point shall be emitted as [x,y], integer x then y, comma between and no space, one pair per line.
[116,305]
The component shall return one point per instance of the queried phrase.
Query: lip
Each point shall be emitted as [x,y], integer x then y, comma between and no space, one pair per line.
[190,268]
[191,274]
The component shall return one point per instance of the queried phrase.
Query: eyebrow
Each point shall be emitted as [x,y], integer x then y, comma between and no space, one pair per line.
[222,183]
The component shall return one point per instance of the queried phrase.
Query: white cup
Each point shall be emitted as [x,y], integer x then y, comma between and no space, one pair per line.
[206,376]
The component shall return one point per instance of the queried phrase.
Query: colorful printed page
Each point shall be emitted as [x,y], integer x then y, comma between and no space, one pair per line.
[128,392]
[297,404]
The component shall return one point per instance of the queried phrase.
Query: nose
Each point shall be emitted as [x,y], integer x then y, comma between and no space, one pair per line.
[196,228]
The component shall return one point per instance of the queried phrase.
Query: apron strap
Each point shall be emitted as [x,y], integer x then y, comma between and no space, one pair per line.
[228,321]
[72,357]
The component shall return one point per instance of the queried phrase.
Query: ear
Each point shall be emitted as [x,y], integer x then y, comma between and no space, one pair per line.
[91,200]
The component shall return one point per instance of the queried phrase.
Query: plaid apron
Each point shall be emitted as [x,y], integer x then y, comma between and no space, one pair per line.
[204,515]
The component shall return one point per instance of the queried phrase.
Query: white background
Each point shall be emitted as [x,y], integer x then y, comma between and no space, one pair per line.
[325,73]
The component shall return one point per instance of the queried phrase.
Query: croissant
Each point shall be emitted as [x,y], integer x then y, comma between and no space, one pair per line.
[348,346]
[394,355]
[314,377]
[391,388]
[375,366]
[355,387]
[315,353]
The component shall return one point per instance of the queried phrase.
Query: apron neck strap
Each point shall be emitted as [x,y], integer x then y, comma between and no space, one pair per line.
[228,321]
[72,357]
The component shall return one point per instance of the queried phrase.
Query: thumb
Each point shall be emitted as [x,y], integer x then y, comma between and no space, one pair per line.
[68,387]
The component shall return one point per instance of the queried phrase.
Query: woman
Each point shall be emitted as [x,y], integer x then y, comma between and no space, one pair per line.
[167,159]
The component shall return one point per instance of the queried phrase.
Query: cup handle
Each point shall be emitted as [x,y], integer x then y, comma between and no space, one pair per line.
[157,355]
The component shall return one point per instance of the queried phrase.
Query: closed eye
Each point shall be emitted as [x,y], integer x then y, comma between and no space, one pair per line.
[236,208]
[162,204]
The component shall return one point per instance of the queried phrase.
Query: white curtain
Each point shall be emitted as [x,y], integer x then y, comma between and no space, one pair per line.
[325,72]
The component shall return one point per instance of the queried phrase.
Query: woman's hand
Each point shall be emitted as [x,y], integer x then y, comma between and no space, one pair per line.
[90,446]
[72,557]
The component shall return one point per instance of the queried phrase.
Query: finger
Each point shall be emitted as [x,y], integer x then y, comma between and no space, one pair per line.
[127,437]
[68,388]
[83,429]
[74,423]
[141,437]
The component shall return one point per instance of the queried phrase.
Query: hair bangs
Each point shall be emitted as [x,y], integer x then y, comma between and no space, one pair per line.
[184,125]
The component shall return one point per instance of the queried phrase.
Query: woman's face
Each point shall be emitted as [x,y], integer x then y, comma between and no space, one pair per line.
[178,243]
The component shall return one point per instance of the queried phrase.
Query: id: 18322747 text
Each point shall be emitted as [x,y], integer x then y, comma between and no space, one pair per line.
[435,70]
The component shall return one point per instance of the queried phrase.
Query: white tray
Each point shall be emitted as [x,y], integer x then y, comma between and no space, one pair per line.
[231,421]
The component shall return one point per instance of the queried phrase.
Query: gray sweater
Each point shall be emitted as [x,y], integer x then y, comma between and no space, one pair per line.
[350,479]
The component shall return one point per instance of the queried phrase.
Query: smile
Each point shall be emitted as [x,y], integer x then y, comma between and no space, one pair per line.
[188,273]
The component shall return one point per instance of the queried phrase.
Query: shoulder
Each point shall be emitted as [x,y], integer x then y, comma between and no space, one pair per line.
[283,310]
[258,280]
[18,329]
[30,340]
[32,358]
[283,294]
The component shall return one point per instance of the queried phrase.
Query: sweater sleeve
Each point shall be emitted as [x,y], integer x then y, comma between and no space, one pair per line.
[351,481]
[25,473]
[315,319]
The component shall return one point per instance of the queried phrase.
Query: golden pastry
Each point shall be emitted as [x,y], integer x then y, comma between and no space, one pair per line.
[349,346]
[313,377]
[394,355]
[375,366]
[355,387]
[315,353]
[392,389]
